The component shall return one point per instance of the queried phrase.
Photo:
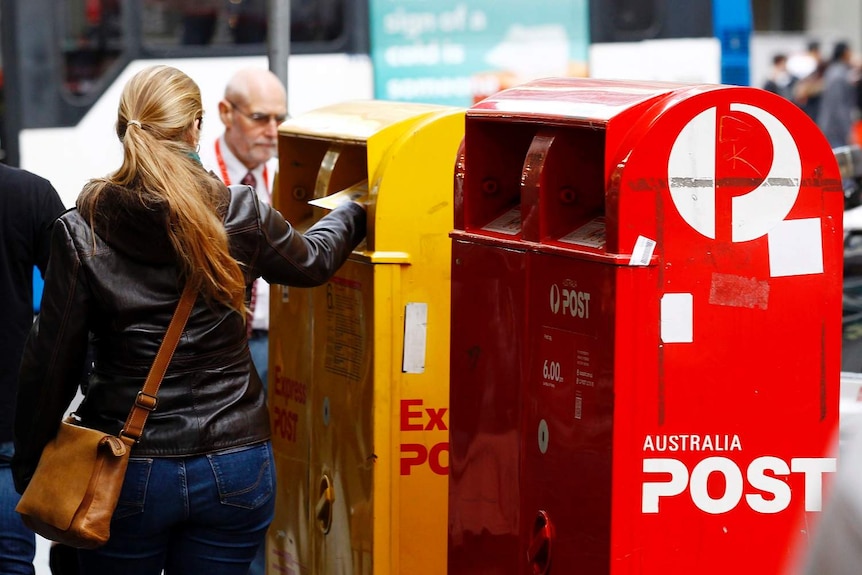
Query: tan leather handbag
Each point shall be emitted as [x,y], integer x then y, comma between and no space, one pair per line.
[74,490]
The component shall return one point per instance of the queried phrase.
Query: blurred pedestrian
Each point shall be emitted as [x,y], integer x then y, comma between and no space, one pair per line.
[836,542]
[780,81]
[29,205]
[810,68]
[199,491]
[804,63]
[838,110]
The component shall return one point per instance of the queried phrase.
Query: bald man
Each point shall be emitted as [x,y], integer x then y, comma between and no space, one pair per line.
[254,104]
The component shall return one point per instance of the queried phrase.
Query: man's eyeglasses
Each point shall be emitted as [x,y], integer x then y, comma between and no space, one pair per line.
[260,117]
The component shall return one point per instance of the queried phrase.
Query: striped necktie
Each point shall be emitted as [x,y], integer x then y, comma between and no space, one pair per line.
[249,180]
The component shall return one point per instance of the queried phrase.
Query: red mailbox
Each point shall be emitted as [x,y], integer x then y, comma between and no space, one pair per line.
[646,330]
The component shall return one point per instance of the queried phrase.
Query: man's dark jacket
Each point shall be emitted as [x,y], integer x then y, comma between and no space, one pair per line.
[29,205]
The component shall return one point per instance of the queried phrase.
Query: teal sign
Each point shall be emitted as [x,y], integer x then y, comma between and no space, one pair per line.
[450,52]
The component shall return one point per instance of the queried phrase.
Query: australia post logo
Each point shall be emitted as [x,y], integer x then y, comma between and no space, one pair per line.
[717,483]
[569,301]
[693,177]
[736,176]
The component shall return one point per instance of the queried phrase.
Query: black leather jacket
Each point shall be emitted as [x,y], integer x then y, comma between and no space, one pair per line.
[121,285]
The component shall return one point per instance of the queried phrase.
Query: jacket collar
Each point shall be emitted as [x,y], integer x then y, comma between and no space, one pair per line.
[133,226]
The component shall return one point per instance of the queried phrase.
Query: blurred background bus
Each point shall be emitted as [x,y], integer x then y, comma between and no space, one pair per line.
[64,62]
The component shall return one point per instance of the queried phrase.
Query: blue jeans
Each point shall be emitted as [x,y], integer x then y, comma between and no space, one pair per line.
[17,542]
[206,514]
[258,346]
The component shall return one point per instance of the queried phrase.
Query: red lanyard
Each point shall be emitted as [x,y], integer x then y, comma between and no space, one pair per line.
[226,177]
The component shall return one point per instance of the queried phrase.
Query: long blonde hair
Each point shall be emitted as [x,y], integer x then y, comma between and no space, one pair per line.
[156,118]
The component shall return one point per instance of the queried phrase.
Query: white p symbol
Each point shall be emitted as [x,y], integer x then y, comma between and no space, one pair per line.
[692,177]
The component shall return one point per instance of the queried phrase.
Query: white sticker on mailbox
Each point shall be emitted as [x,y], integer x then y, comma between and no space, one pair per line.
[642,252]
[677,318]
[796,248]
[415,337]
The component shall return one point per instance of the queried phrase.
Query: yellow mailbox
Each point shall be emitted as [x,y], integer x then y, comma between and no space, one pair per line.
[359,367]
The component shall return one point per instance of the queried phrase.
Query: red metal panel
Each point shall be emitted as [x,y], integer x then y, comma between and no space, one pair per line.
[486,399]
[742,415]
[569,409]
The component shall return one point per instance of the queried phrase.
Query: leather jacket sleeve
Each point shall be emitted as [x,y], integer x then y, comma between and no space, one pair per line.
[282,255]
[54,355]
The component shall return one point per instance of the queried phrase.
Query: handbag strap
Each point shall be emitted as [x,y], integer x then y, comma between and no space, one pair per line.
[147,400]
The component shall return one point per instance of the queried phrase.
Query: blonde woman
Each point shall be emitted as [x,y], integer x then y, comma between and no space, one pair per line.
[199,491]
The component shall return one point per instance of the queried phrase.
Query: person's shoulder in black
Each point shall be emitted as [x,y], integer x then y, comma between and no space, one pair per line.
[29,204]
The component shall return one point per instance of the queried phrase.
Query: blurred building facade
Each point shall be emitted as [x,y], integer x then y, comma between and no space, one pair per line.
[825,19]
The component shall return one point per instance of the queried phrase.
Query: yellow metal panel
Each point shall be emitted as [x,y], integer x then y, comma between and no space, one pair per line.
[354,121]
[413,212]
[342,449]
[413,185]
[290,360]
[385,526]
